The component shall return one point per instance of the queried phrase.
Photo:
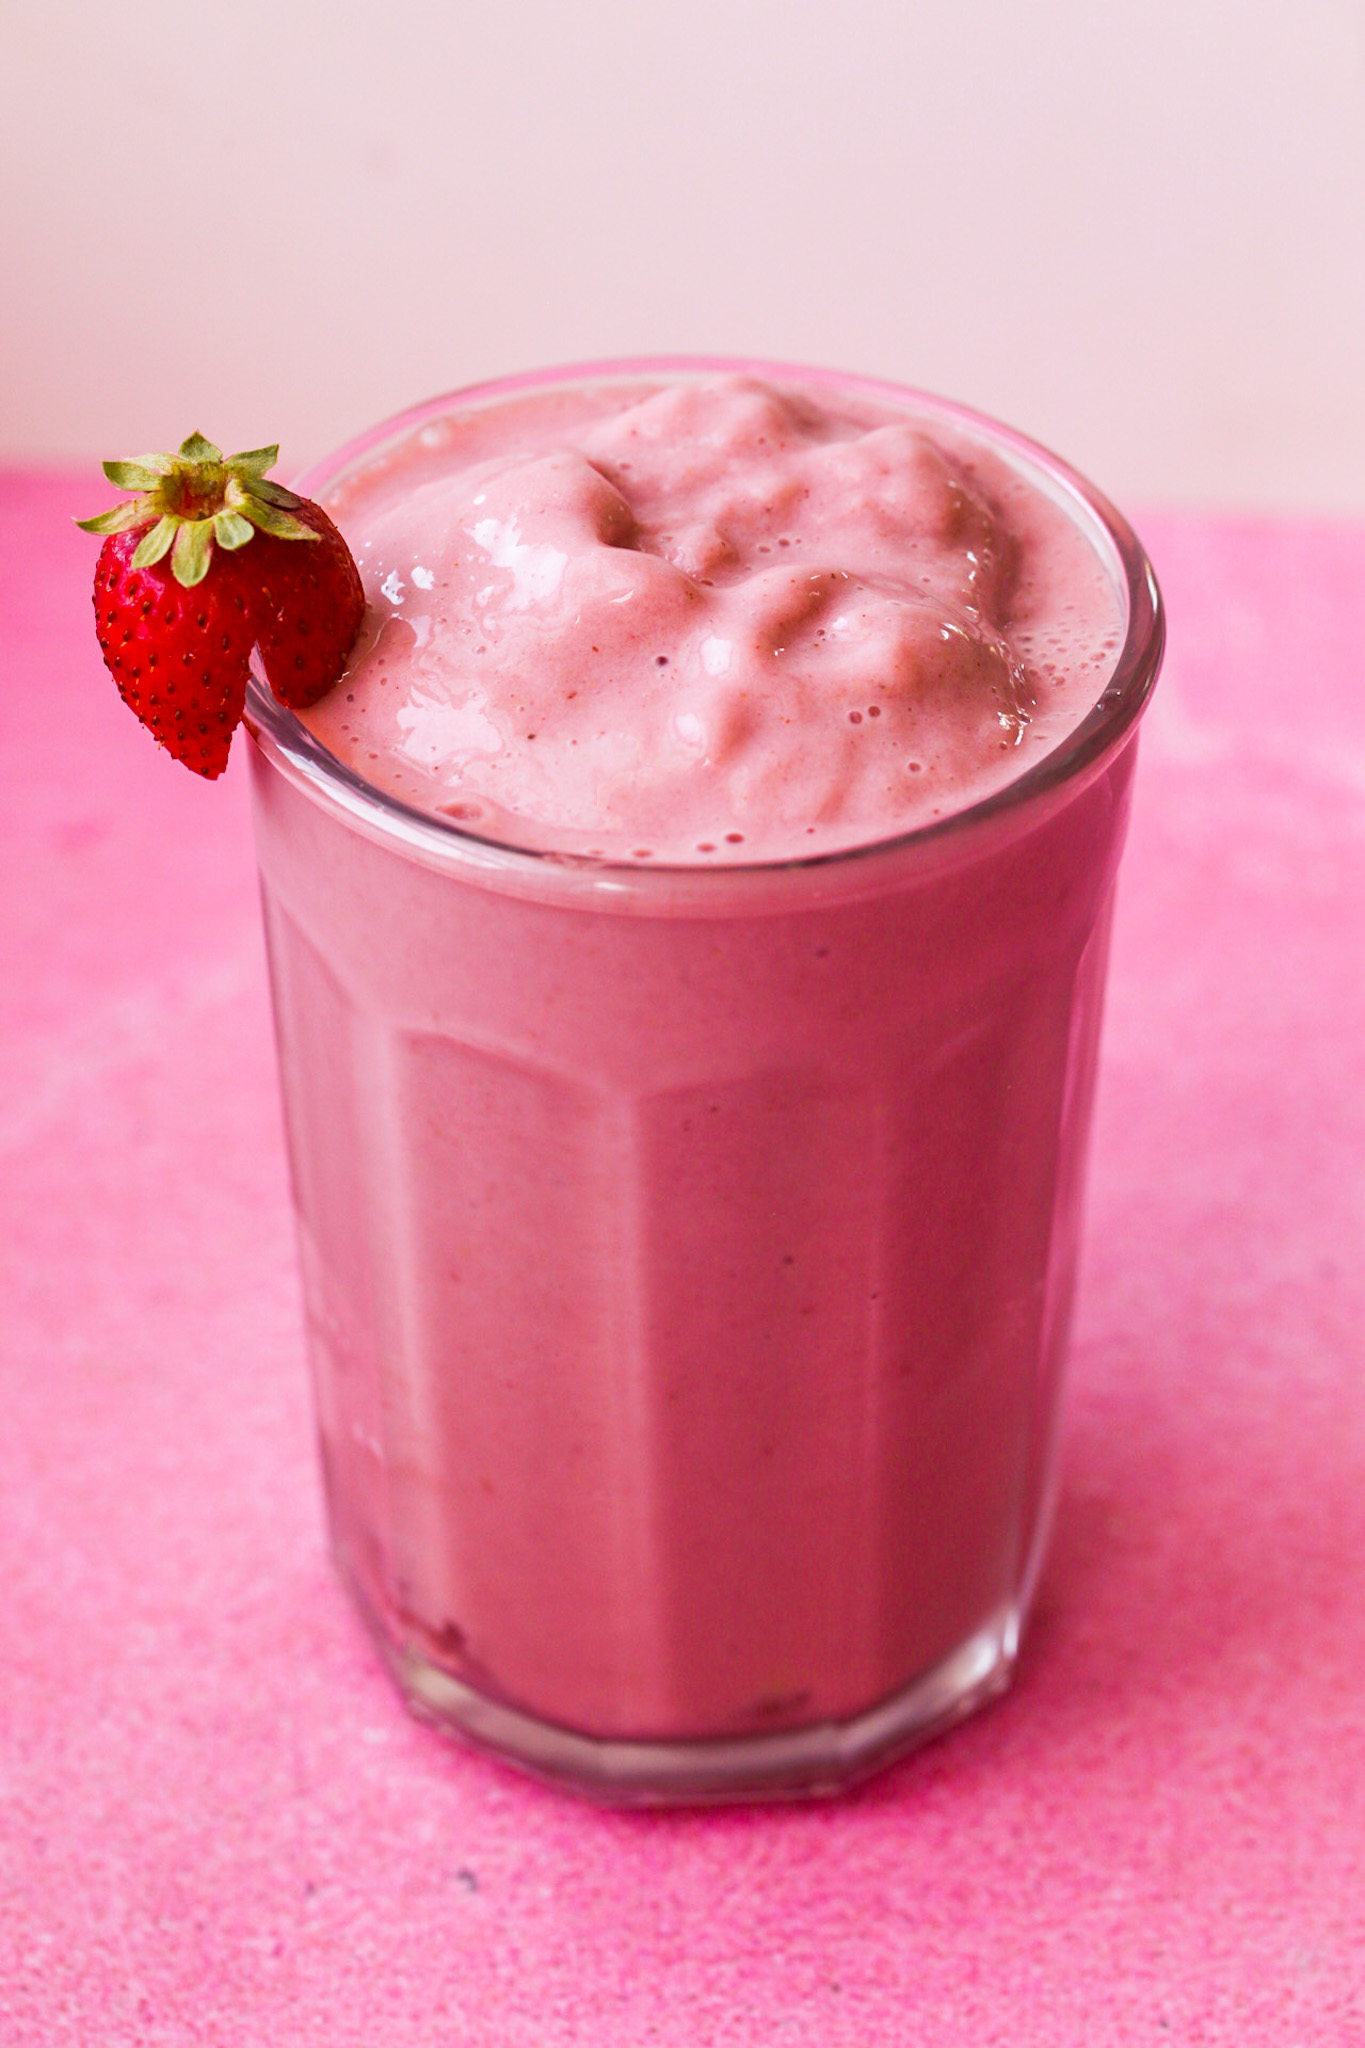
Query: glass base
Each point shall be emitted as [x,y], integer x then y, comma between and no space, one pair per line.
[799,1763]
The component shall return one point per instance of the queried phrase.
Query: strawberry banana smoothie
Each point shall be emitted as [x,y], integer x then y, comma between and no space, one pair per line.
[687,921]
[709,622]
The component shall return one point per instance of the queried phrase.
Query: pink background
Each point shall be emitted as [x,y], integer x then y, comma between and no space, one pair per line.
[219,1827]
[1135,232]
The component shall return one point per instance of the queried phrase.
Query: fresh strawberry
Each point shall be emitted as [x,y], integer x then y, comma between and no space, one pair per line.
[179,656]
[311,607]
[202,565]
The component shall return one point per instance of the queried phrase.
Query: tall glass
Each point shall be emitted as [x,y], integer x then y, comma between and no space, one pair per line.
[688,1254]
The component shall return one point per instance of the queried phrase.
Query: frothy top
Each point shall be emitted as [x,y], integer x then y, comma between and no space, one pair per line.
[707,621]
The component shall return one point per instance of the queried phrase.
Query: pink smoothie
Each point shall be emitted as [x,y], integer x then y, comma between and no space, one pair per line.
[688,1006]
[719,620]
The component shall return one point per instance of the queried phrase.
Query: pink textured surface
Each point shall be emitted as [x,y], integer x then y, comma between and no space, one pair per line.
[217,1824]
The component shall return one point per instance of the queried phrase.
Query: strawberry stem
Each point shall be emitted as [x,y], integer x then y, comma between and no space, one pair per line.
[194,498]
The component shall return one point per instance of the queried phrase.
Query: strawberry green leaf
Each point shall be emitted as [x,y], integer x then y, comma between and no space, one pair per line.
[272,520]
[230,530]
[130,513]
[197,449]
[154,543]
[256,461]
[269,492]
[192,552]
[137,475]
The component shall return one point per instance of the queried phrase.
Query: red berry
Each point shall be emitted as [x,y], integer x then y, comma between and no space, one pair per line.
[179,657]
[312,605]
[207,561]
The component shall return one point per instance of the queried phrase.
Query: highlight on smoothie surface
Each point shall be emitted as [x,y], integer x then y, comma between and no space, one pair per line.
[708,621]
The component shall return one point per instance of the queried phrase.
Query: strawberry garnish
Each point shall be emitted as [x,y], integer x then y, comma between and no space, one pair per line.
[204,564]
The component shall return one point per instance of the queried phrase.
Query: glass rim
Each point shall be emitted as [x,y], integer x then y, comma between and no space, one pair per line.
[285,739]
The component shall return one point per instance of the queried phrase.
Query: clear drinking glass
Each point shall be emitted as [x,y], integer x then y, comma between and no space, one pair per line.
[688,1254]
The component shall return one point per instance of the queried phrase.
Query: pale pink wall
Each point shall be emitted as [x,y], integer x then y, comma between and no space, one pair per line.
[1137,231]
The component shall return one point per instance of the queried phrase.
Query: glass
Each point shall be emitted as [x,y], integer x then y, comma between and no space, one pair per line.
[688,1254]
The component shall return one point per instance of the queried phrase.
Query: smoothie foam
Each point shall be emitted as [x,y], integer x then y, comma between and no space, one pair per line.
[708,621]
